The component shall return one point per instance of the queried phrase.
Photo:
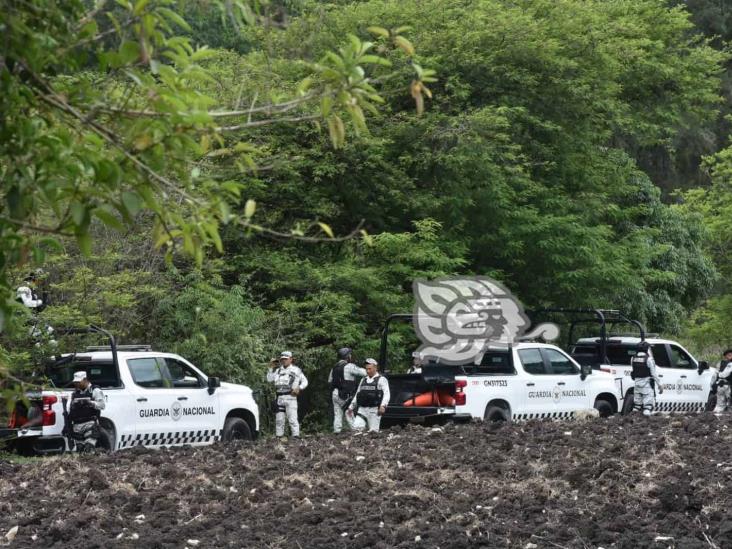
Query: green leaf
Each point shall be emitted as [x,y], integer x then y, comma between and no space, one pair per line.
[78,213]
[129,52]
[404,44]
[131,202]
[84,240]
[109,219]
[249,209]
[326,229]
[379,31]
[175,18]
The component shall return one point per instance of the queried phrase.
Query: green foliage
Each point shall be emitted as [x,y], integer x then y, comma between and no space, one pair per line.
[216,328]
[105,115]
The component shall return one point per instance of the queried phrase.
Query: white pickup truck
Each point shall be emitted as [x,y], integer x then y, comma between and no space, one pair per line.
[152,399]
[525,381]
[687,383]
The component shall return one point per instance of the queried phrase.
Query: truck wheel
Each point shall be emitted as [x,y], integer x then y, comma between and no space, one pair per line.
[711,403]
[496,414]
[627,404]
[236,428]
[604,407]
[105,442]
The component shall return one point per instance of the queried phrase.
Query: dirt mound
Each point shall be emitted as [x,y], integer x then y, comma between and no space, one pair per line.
[622,482]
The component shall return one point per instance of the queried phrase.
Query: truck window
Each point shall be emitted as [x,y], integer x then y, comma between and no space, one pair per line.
[102,374]
[559,363]
[679,359]
[148,373]
[586,354]
[496,362]
[620,354]
[660,356]
[532,361]
[183,375]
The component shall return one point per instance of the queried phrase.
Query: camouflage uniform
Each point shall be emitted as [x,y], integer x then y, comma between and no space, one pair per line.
[644,394]
[724,394]
[286,380]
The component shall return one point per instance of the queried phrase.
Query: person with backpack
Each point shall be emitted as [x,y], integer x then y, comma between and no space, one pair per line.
[343,385]
[646,379]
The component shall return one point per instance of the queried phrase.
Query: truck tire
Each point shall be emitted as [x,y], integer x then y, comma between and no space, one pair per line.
[496,414]
[235,428]
[627,403]
[603,407]
[711,402]
[105,442]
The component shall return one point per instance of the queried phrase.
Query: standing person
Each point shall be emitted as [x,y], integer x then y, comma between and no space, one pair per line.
[342,380]
[416,367]
[371,400]
[87,403]
[724,377]
[646,379]
[289,381]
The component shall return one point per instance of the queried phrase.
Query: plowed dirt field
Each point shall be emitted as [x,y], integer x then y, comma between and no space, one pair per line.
[626,482]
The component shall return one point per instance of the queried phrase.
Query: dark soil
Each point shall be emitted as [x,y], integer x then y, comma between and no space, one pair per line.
[624,482]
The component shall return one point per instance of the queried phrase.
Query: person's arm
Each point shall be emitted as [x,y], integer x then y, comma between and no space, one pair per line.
[385,390]
[353,404]
[271,374]
[98,399]
[358,371]
[303,381]
[726,372]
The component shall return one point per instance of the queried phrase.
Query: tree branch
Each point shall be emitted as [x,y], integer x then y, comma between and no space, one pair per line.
[289,236]
[267,122]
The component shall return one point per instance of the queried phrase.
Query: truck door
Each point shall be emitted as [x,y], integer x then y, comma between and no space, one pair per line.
[570,393]
[200,410]
[691,387]
[158,416]
[537,394]
[670,400]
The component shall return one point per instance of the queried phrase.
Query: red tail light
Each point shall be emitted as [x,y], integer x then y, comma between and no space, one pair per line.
[49,416]
[13,421]
[460,384]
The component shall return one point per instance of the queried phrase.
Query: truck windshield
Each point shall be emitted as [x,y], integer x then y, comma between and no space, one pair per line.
[100,373]
[590,354]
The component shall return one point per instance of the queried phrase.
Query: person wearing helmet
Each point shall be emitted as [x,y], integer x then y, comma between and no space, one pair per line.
[342,381]
[646,379]
[288,380]
[371,400]
[724,376]
[416,367]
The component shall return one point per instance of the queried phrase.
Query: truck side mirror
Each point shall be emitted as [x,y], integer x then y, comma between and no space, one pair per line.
[703,365]
[213,382]
[585,370]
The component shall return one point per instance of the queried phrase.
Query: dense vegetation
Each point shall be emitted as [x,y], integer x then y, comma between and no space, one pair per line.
[574,150]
